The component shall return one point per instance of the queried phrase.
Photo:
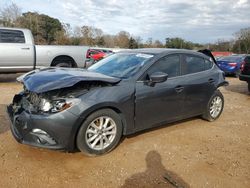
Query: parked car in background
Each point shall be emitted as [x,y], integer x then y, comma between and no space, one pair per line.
[19,53]
[98,54]
[245,71]
[94,55]
[122,94]
[231,64]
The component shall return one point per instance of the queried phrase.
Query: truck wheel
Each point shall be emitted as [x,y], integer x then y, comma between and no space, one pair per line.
[63,61]
[99,133]
[62,64]
[214,107]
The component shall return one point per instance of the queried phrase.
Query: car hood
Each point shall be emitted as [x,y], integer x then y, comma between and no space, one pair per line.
[48,79]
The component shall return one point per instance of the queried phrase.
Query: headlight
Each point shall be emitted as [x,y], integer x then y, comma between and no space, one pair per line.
[45,105]
[57,105]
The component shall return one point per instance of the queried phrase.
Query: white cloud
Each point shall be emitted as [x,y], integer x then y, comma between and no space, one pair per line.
[199,21]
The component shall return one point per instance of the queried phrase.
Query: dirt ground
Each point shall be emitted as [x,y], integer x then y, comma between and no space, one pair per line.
[191,153]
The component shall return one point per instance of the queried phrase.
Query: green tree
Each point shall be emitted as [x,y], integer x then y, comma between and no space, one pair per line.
[180,43]
[43,27]
[132,43]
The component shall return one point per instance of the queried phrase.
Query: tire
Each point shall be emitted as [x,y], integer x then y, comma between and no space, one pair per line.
[63,62]
[91,140]
[216,102]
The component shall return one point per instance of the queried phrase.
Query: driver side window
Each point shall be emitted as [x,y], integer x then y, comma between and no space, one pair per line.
[168,64]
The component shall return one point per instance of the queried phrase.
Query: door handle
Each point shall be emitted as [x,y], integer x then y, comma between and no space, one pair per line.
[211,81]
[179,89]
[25,48]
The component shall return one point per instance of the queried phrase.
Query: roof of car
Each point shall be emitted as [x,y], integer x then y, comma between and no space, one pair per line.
[155,51]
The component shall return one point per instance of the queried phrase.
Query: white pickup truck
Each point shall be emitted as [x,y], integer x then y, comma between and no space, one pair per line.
[18,52]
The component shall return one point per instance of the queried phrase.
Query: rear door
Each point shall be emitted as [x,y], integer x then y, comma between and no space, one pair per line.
[160,102]
[15,53]
[199,83]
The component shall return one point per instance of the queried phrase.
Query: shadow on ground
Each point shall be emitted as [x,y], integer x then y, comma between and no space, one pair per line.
[156,175]
[9,77]
[5,123]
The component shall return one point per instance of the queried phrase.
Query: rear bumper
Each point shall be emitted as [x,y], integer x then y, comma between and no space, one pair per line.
[229,70]
[244,77]
[44,131]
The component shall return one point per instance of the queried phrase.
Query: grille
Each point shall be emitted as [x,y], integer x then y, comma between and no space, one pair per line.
[34,99]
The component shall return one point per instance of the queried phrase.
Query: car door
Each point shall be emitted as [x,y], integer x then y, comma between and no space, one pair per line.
[15,53]
[198,83]
[160,102]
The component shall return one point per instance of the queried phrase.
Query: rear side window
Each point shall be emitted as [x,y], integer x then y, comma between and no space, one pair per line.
[169,65]
[208,64]
[11,36]
[194,64]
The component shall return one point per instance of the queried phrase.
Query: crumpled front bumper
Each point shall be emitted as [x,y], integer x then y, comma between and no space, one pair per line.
[52,131]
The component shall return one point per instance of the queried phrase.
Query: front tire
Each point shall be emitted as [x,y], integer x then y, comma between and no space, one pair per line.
[214,107]
[99,133]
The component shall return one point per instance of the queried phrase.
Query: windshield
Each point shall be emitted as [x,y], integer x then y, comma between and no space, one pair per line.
[121,65]
[232,58]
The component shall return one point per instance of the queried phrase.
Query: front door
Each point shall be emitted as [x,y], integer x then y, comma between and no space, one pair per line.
[160,102]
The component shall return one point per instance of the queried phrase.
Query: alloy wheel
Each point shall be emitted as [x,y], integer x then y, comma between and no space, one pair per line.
[100,133]
[215,107]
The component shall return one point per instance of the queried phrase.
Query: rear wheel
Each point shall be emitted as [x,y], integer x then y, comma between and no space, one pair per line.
[63,64]
[63,61]
[214,107]
[100,132]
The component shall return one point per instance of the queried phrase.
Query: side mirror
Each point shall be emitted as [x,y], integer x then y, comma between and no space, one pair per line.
[158,77]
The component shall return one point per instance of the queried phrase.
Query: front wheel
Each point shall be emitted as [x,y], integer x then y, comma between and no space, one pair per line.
[100,132]
[214,107]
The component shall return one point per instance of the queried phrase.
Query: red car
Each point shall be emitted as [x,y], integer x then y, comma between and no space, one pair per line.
[96,55]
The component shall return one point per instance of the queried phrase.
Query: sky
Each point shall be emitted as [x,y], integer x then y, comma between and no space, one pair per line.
[194,20]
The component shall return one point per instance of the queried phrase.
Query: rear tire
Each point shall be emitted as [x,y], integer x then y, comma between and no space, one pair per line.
[99,133]
[63,61]
[214,107]
[62,64]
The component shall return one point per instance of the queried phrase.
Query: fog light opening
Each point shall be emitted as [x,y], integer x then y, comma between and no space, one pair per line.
[43,137]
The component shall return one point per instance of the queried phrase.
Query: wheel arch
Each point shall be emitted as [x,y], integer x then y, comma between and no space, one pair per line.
[93,109]
[63,57]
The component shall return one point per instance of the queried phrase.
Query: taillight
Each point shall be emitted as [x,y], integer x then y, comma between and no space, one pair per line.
[242,65]
[88,54]
[232,64]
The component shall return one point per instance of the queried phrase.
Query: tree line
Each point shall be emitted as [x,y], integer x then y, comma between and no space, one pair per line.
[48,30]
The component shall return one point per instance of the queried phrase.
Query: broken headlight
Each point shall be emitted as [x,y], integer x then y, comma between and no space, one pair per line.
[57,105]
[45,105]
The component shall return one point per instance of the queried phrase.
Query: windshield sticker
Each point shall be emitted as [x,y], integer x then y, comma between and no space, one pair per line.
[147,56]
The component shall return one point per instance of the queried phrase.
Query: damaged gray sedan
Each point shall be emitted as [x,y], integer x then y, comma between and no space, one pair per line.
[124,93]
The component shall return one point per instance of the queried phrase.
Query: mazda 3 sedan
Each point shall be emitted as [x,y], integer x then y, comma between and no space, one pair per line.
[127,92]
